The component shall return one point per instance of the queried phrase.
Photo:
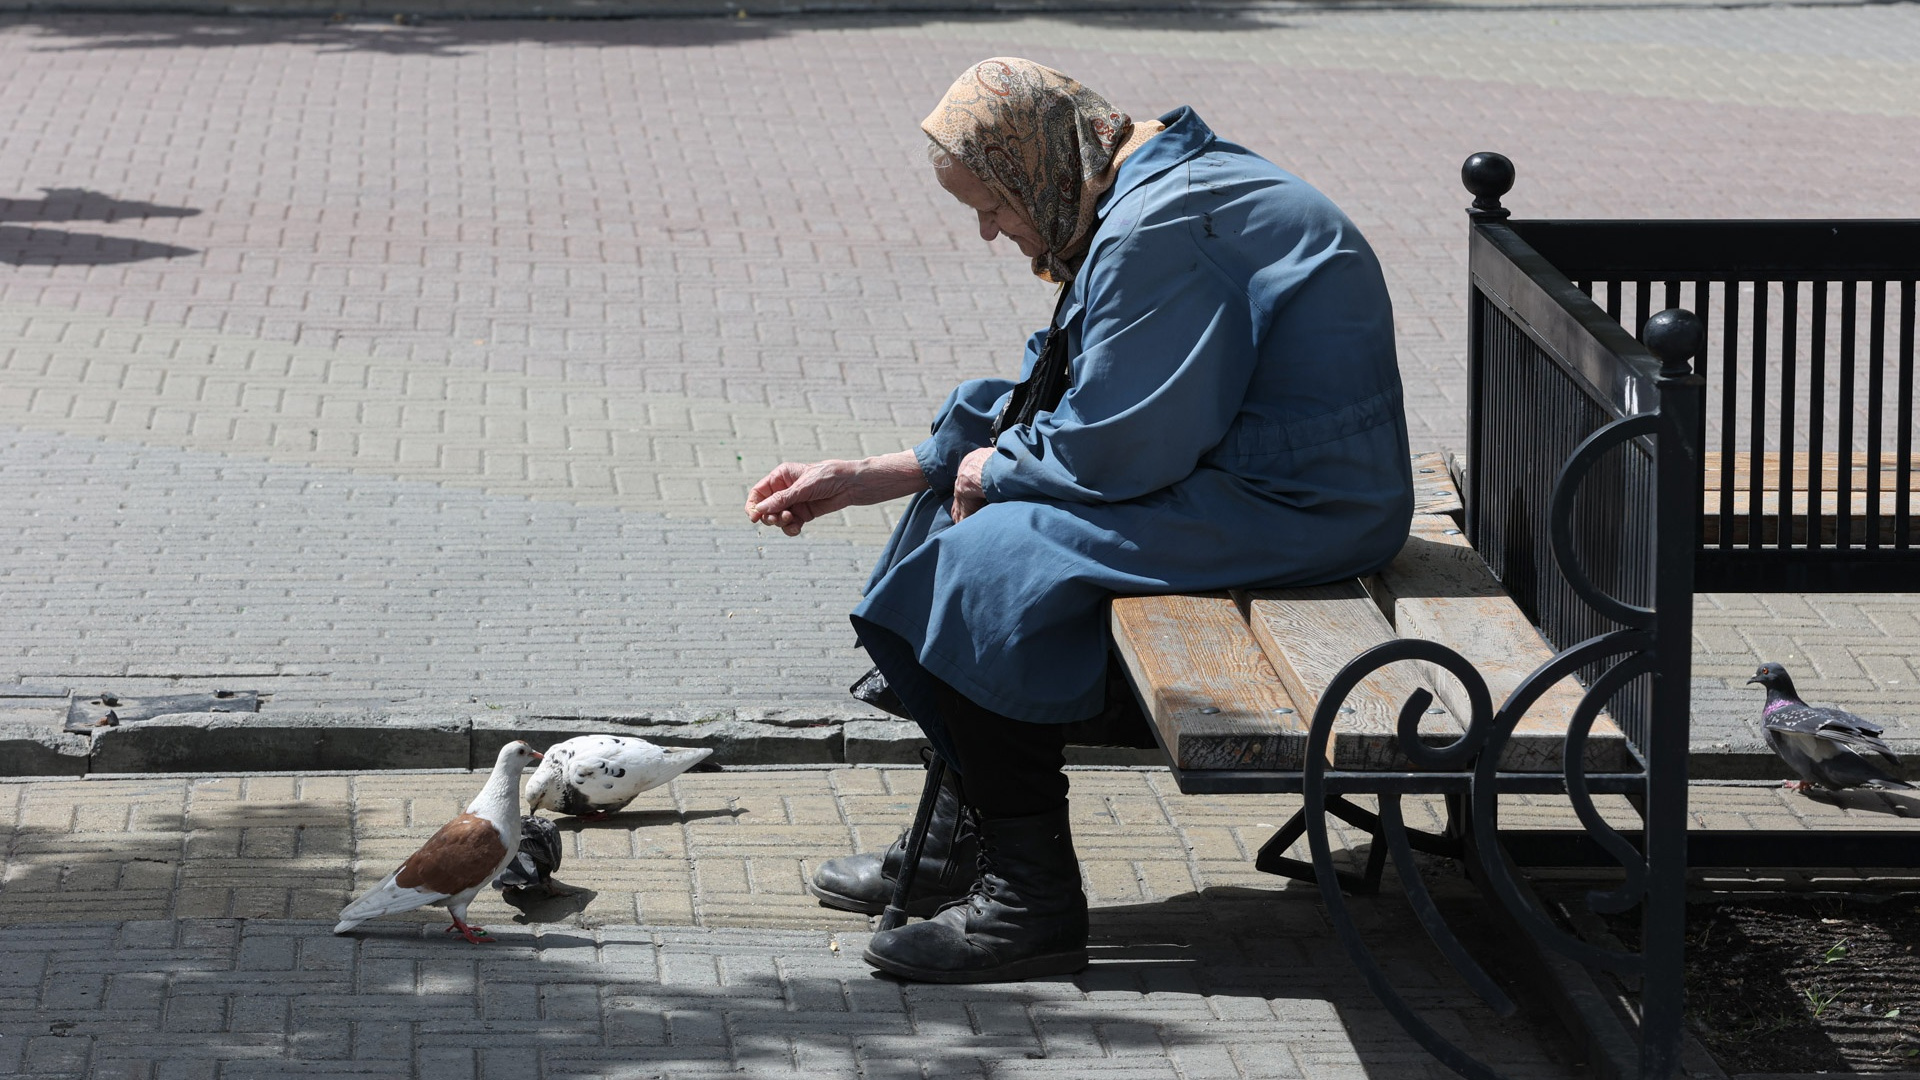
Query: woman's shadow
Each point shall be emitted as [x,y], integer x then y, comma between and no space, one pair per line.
[37,245]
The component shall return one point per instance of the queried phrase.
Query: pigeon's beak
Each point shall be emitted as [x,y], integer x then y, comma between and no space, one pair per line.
[1753,680]
[537,755]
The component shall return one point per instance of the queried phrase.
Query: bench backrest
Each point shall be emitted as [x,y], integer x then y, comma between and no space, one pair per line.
[1808,429]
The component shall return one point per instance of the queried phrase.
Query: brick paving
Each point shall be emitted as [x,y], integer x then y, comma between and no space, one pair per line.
[365,363]
[179,927]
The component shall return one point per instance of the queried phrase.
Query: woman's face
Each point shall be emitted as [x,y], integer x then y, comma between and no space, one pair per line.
[996,217]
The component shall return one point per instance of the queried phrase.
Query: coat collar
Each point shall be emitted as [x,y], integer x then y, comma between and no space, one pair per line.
[1186,136]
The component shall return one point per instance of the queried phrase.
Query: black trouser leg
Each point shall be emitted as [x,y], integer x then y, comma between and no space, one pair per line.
[1008,768]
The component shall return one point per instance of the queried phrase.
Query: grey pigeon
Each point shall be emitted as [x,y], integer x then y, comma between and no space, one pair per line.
[1828,748]
[533,865]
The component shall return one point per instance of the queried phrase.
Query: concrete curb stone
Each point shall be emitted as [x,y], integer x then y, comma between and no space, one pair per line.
[883,742]
[743,742]
[247,742]
[33,744]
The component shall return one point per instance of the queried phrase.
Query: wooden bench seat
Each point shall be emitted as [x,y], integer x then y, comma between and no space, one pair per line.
[1230,682]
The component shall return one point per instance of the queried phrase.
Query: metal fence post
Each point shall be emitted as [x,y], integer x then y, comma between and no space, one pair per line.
[1675,336]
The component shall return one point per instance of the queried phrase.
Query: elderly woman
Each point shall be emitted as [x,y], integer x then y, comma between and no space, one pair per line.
[1215,404]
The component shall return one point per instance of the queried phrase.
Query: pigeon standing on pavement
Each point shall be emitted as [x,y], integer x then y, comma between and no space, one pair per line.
[594,775]
[530,871]
[1826,747]
[457,862]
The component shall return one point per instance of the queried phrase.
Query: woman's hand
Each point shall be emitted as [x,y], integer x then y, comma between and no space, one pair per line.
[794,494]
[967,494]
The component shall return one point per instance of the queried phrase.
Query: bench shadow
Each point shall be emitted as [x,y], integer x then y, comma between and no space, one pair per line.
[39,245]
[1277,945]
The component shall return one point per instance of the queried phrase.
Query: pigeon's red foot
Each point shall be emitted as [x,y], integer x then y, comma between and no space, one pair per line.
[474,934]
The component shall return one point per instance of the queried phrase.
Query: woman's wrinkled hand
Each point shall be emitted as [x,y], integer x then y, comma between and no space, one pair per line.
[967,493]
[795,493]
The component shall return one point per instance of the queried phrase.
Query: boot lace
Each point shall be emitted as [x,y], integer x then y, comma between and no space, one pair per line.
[982,889]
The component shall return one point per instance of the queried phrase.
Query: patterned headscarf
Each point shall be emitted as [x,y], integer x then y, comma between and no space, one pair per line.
[1043,143]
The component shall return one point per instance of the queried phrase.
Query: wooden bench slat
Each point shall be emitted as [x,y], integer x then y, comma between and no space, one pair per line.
[1717,475]
[1827,526]
[1309,634]
[1433,488]
[1194,653]
[1440,589]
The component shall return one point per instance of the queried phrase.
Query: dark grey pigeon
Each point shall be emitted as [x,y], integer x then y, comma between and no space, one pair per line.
[1826,747]
[532,867]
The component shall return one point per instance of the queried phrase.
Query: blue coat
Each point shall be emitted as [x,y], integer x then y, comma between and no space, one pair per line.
[1234,419]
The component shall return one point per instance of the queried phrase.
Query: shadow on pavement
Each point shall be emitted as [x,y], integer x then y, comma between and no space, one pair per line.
[36,245]
[640,819]
[431,36]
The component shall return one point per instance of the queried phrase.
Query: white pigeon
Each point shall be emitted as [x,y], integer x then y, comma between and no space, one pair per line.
[462,858]
[594,775]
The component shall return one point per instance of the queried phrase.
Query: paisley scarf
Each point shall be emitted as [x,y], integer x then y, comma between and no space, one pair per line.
[1044,144]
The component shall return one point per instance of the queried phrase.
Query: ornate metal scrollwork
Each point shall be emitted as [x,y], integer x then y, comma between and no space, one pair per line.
[1475,757]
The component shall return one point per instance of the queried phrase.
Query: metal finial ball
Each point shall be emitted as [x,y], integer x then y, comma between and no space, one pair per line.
[1676,336]
[1488,175]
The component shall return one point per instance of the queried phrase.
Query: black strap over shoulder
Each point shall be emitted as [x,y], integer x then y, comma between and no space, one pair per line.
[1043,388]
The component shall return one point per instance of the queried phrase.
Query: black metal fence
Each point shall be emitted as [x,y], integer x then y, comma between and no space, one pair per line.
[1809,425]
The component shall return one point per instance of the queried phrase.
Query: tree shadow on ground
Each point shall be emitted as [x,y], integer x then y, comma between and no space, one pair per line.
[36,245]
[452,37]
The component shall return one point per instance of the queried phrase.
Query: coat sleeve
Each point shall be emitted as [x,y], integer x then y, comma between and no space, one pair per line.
[1166,353]
[959,428]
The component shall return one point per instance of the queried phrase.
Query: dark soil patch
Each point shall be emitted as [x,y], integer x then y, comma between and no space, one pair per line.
[1806,983]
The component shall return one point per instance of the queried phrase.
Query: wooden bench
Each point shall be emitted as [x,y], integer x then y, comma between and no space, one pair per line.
[1230,681]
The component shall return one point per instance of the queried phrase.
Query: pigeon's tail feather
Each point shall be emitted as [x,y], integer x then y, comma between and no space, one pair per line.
[385,898]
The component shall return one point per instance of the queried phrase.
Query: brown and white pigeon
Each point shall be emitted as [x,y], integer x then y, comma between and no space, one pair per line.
[457,862]
[594,775]
[1827,747]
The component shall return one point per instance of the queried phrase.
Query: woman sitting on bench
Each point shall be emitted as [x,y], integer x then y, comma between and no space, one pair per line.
[1216,404]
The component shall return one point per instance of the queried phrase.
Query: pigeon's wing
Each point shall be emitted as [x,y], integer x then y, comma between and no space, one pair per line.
[1849,770]
[1796,748]
[1846,721]
[465,854]
[1859,741]
[1804,719]
[520,872]
[540,843]
[386,898]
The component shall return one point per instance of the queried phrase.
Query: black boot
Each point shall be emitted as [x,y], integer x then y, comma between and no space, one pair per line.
[1026,916]
[864,882]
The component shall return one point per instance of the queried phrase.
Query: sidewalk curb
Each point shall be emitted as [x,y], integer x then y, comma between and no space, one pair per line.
[33,744]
